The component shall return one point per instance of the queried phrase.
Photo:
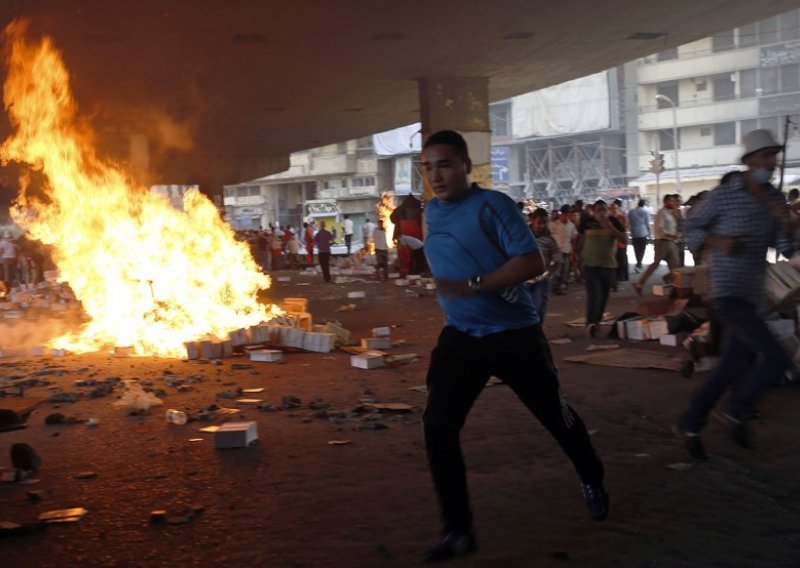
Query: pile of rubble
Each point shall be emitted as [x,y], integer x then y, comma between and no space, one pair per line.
[32,301]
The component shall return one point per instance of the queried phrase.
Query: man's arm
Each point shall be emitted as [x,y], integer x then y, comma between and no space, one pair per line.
[516,270]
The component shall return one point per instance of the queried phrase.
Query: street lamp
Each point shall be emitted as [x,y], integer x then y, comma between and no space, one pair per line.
[671,103]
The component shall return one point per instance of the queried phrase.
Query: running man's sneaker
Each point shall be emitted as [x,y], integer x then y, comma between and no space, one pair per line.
[596,500]
[452,544]
[739,431]
[692,442]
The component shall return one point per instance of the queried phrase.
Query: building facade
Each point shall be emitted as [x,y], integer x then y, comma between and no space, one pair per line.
[695,102]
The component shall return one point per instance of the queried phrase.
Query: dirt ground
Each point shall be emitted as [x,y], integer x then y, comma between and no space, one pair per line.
[293,500]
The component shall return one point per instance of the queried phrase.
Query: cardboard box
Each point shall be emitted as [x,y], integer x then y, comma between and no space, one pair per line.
[637,329]
[192,350]
[236,435]
[672,339]
[284,278]
[695,277]
[239,337]
[657,327]
[367,360]
[663,290]
[622,325]
[376,342]
[211,349]
[381,332]
[266,355]
[401,282]
[295,305]
[342,335]
[302,320]
[318,342]
[357,294]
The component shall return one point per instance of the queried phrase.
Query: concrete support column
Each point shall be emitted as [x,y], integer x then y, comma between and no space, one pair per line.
[460,104]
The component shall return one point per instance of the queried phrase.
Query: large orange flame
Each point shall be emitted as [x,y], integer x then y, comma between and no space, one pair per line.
[384,208]
[148,275]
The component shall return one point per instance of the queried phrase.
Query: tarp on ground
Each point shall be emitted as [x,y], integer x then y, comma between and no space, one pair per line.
[630,359]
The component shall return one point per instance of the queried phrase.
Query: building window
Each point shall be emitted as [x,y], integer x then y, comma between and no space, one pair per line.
[667,54]
[723,42]
[253,190]
[748,35]
[768,31]
[668,90]
[748,82]
[499,117]
[746,126]
[768,81]
[771,123]
[790,78]
[666,141]
[789,25]
[725,134]
[724,88]
[230,192]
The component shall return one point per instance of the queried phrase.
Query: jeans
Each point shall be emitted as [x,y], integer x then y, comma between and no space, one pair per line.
[348,240]
[561,281]
[540,294]
[325,265]
[639,246]
[598,286]
[752,359]
[459,369]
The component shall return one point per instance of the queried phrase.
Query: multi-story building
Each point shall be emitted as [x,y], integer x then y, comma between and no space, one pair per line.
[595,136]
[561,143]
[347,173]
[695,102]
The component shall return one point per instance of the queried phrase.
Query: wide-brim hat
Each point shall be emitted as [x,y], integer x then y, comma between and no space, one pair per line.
[758,140]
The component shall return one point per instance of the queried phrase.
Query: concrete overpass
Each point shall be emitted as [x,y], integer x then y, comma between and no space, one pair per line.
[222,91]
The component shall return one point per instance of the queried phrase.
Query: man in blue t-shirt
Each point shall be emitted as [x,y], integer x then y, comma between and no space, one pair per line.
[481,253]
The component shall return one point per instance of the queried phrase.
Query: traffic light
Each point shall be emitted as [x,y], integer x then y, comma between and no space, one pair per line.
[657,162]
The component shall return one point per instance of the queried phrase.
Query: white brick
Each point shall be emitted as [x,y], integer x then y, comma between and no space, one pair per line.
[381,332]
[367,360]
[319,342]
[192,350]
[266,355]
[376,342]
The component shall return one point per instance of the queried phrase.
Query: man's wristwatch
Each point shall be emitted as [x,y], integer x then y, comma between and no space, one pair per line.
[475,283]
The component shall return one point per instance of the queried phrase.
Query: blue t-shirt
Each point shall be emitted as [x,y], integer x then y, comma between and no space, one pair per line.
[471,237]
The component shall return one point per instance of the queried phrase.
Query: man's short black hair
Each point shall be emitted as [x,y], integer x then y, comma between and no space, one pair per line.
[450,138]
[540,212]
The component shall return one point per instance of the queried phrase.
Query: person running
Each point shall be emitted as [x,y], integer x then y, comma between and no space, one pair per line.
[666,233]
[481,252]
[639,221]
[735,225]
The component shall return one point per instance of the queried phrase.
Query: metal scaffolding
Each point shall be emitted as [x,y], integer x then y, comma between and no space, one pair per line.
[564,169]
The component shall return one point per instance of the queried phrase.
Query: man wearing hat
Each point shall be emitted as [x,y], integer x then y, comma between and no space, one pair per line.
[723,227]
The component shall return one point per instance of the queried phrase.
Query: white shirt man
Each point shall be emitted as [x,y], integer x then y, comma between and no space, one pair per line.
[347,229]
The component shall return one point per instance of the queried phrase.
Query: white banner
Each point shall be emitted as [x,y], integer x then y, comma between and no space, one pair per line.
[403,140]
[576,106]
